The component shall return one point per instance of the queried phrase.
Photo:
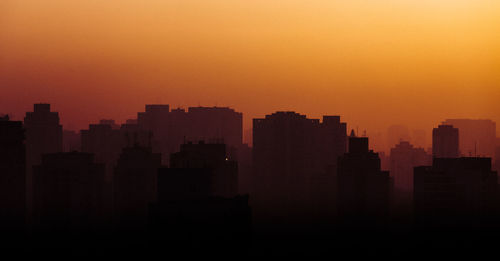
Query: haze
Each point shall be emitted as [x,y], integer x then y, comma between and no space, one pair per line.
[376,63]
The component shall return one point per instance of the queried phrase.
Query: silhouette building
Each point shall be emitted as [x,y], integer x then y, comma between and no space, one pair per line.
[206,165]
[71,141]
[69,195]
[12,179]
[171,128]
[455,192]
[106,140]
[497,155]
[294,164]
[197,203]
[43,136]
[364,190]
[477,137]
[404,157]
[445,142]
[134,186]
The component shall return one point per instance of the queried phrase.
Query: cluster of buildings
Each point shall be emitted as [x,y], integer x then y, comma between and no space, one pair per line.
[186,176]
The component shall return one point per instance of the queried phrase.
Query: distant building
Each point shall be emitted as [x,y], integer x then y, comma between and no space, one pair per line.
[445,142]
[106,141]
[497,155]
[220,123]
[477,137]
[385,160]
[171,128]
[294,164]
[456,192]
[404,157]
[12,179]
[419,138]
[397,133]
[364,190]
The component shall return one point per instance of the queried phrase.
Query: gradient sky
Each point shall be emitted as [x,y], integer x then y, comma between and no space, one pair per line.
[375,62]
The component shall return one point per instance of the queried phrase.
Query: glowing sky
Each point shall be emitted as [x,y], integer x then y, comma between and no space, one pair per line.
[375,62]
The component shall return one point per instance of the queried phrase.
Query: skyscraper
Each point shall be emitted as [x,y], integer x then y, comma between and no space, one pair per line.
[294,157]
[12,179]
[497,155]
[135,187]
[106,140]
[445,142]
[171,128]
[456,192]
[364,190]
[43,136]
[198,202]
[404,157]
[217,173]
[69,197]
[43,133]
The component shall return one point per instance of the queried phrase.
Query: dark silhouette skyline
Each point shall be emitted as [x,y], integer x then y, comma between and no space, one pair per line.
[112,184]
[445,140]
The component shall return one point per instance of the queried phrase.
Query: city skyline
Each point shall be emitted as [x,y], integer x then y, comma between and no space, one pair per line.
[376,64]
[250,129]
[184,179]
[381,141]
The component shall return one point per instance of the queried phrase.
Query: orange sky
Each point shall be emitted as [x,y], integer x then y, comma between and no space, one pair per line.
[376,63]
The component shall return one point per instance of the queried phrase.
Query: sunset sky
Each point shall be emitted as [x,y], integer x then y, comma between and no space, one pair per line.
[374,62]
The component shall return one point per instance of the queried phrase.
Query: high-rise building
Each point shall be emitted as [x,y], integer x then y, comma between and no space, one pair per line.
[294,162]
[106,140]
[477,137]
[135,187]
[69,193]
[105,143]
[364,190]
[456,192]
[43,133]
[43,136]
[404,157]
[497,155]
[12,179]
[156,119]
[171,128]
[220,123]
[197,202]
[445,142]
[208,164]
